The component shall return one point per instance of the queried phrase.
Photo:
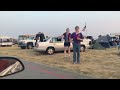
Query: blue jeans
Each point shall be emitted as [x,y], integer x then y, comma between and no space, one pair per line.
[76,50]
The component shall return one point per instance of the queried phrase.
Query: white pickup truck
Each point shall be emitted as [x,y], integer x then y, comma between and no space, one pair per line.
[26,41]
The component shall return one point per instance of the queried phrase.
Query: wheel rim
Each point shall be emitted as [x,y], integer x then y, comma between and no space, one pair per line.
[50,51]
[82,48]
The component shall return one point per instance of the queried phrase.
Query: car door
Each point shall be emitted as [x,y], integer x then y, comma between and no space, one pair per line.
[58,44]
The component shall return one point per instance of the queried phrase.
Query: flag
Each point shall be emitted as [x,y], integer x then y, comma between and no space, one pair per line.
[84,28]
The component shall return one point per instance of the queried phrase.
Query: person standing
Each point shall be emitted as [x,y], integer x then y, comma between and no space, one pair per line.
[67,43]
[76,37]
[37,38]
[42,37]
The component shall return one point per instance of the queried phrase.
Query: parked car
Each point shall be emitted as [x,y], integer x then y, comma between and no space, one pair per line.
[52,44]
[5,41]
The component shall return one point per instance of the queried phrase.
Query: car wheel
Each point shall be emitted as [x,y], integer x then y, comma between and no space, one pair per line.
[82,49]
[29,46]
[23,47]
[50,51]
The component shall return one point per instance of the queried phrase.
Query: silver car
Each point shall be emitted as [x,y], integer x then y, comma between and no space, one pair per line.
[53,44]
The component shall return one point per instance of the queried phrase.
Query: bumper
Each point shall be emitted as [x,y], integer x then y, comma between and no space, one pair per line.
[22,45]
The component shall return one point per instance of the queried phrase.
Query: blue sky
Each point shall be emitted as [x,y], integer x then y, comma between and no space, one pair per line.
[54,23]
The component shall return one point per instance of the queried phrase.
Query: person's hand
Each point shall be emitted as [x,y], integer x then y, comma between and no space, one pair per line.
[78,38]
[71,40]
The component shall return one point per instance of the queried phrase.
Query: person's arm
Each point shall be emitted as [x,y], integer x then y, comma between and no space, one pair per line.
[36,37]
[78,38]
[71,37]
[62,36]
[82,37]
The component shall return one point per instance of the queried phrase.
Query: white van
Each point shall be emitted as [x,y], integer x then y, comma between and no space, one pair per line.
[6,41]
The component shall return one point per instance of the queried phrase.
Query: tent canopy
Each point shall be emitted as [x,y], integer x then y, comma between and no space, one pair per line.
[104,42]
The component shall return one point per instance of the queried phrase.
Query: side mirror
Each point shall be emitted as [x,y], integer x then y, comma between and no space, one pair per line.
[10,65]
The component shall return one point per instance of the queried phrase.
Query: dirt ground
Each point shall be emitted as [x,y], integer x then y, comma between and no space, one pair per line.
[103,64]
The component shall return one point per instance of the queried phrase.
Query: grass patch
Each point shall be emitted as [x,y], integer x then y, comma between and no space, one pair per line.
[98,63]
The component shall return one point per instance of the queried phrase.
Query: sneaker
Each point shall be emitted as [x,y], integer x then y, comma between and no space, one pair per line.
[78,62]
[74,63]
[65,57]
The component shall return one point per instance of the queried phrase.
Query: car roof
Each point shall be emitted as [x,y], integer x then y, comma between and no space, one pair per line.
[27,35]
[5,37]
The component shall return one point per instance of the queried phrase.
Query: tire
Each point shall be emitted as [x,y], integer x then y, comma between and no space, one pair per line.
[29,46]
[50,51]
[82,49]
[23,47]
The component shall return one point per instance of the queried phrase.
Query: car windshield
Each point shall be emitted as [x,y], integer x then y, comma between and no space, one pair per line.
[30,38]
[26,38]
[6,40]
[22,38]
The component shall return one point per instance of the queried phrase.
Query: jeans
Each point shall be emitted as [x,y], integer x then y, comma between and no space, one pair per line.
[76,50]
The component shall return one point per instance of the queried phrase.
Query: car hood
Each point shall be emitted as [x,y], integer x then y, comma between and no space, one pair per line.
[26,40]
